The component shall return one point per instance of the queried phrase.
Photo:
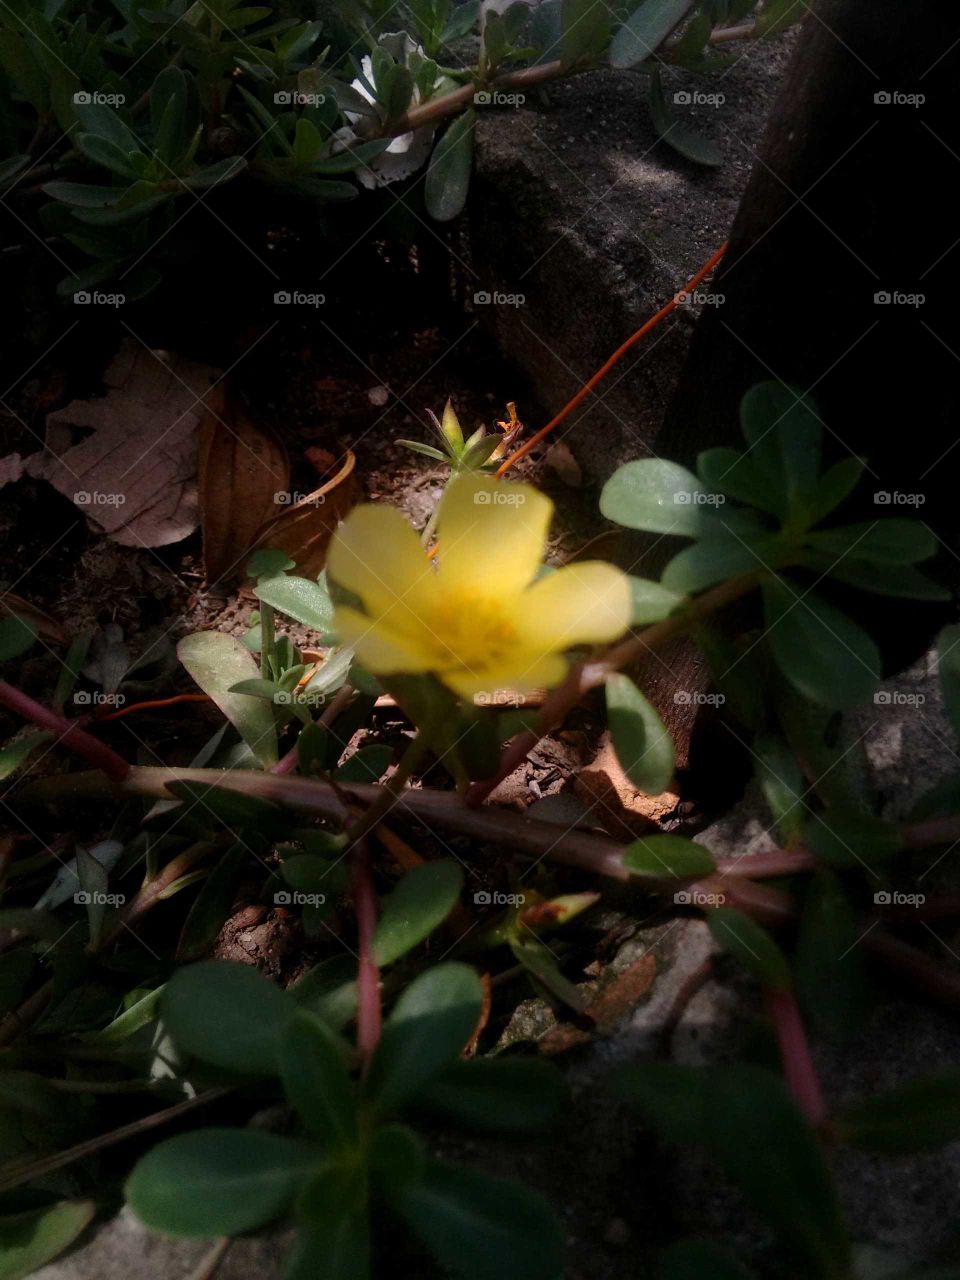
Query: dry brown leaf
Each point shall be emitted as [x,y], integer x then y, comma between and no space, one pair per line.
[47,628]
[243,474]
[560,459]
[303,529]
[128,459]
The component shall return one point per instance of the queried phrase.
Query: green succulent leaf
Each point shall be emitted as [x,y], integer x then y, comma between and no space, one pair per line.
[484,1228]
[781,1171]
[34,1237]
[844,840]
[891,541]
[421,901]
[836,483]
[782,428]
[667,857]
[921,1115]
[316,1080]
[829,966]
[718,558]
[783,785]
[228,1015]
[218,1182]
[823,654]
[640,738]
[651,601]
[645,29]
[302,599]
[217,662]
[900,580]
[428,1028]
[658,497]
[752,945]
[369,764]
[448,173]
[684,140]
[17,635]
[510,1095]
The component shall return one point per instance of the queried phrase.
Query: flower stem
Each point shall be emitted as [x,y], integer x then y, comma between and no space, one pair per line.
[268,640]
[289,762]
[369,1013]
[390,792]
[430,526]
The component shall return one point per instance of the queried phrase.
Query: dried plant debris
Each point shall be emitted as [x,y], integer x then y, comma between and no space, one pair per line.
[128,459]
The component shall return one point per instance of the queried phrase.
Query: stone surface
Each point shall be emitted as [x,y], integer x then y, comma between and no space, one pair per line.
[579,208]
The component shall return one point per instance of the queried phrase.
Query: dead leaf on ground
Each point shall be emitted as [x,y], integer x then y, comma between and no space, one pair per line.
[612,1002]
[560,460]
[303,529]
[128,459]
[243,474]
[47,628]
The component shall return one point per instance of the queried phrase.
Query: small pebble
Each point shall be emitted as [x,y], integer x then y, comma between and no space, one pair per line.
[378,396]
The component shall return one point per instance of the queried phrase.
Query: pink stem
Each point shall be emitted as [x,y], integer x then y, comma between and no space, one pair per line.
[368,975]
[762,866]
[287,764]
[798,1067]
[69,732]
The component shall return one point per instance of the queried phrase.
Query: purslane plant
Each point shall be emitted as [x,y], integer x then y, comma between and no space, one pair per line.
[130,120]
[445,636]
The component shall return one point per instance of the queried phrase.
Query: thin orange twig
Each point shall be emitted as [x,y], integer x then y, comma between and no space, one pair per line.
[156,702]
[620,352]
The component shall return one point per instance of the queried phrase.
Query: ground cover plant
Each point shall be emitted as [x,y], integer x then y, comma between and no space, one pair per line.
[435,843]
[131,134]
[375,1040]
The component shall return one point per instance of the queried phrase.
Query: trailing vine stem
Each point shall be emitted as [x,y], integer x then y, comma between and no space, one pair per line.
[457,100]
[69,732]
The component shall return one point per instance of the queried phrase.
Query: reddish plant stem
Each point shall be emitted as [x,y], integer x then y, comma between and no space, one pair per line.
[289,762]
[450,104]
[798,1068]
[764,902]
[453,103]
[368,975]
[938,981]
[70,734]
[590,675]
[921,835]
[763,866]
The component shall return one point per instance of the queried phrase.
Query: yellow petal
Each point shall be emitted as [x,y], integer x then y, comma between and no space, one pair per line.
[528,670]
[382,650]
[377,555]
[491,535]
[586,603]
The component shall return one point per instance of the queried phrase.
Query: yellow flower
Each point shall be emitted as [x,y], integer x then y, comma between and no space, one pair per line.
[478,620]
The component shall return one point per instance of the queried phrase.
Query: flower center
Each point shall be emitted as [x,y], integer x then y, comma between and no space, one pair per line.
[471,632]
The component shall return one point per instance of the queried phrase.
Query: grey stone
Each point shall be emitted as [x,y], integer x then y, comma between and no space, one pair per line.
[600,237]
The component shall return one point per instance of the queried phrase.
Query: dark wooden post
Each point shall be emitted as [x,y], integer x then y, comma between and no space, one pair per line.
[853,196]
